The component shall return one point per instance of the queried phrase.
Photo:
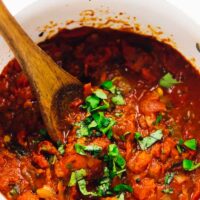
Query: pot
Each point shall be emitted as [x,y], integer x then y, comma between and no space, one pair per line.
[157,18]
[153,17]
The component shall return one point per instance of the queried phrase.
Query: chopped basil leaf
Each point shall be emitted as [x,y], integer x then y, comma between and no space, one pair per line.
[168,191]
[15,190]
[61,148]
[100,94]
[115,161]
[168,81]
[148,141]
[98,118]
[169,177]
[72,181]
[83,130]
[158,120]
[105,106]
[83,189]
[92,102]
[122,188]
[113,150]
[118,114]
[118,100]
[52,159]
[93,124]
[104,187]
[191,144]
[43,132]
[104,184]
[109,126]
[179,146]
[93,149]
[108,85]
[121,197]
[190,165]
[138,136]
[78,177]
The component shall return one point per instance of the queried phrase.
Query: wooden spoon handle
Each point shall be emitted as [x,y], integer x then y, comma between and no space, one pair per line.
[38,66]
[44,75]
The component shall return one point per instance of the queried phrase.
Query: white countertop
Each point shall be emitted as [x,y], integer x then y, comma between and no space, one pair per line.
[190,7]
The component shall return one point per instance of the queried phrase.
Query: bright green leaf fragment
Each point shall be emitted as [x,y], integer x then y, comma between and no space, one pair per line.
[115,161]
[179,146]
[104,106]
[93,149]
[168,191]
[61,148]
[148,141]
[113,150]
[190,165]
[121,196]
[108,85]
[104,124]
[92,102]
[138,136]
[158,119]
[100,94]
[93,124]
[118,100]
[103,188]
[83,189]
[72,181]
[122,188]
[168,81]
[191,144]
[83,130]
[169,177]
[77,177]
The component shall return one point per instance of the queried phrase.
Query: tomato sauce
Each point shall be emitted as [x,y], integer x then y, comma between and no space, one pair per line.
[134,135]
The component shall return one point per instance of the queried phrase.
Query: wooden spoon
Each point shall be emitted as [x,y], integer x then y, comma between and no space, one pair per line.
[53,86]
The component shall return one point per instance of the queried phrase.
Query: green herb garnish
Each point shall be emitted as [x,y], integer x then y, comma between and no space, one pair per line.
[118,100]
[190,165]
[158,119]
[61,148]
[122,188]
[92,102]
[103,188]
[168,191]
[179,145]
[191,144]
[100,94]
[93,149]
[43,132]
[168,81]
[114,160]
[138,136]
[83,130]
[121,196]
[108,85]
[77,177]
[104,106]
[15,190]
[169,177]
[148,141]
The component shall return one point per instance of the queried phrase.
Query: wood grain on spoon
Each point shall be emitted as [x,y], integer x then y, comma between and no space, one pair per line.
[52,85]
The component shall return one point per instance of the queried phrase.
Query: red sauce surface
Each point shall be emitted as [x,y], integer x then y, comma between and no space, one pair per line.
[32,166]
